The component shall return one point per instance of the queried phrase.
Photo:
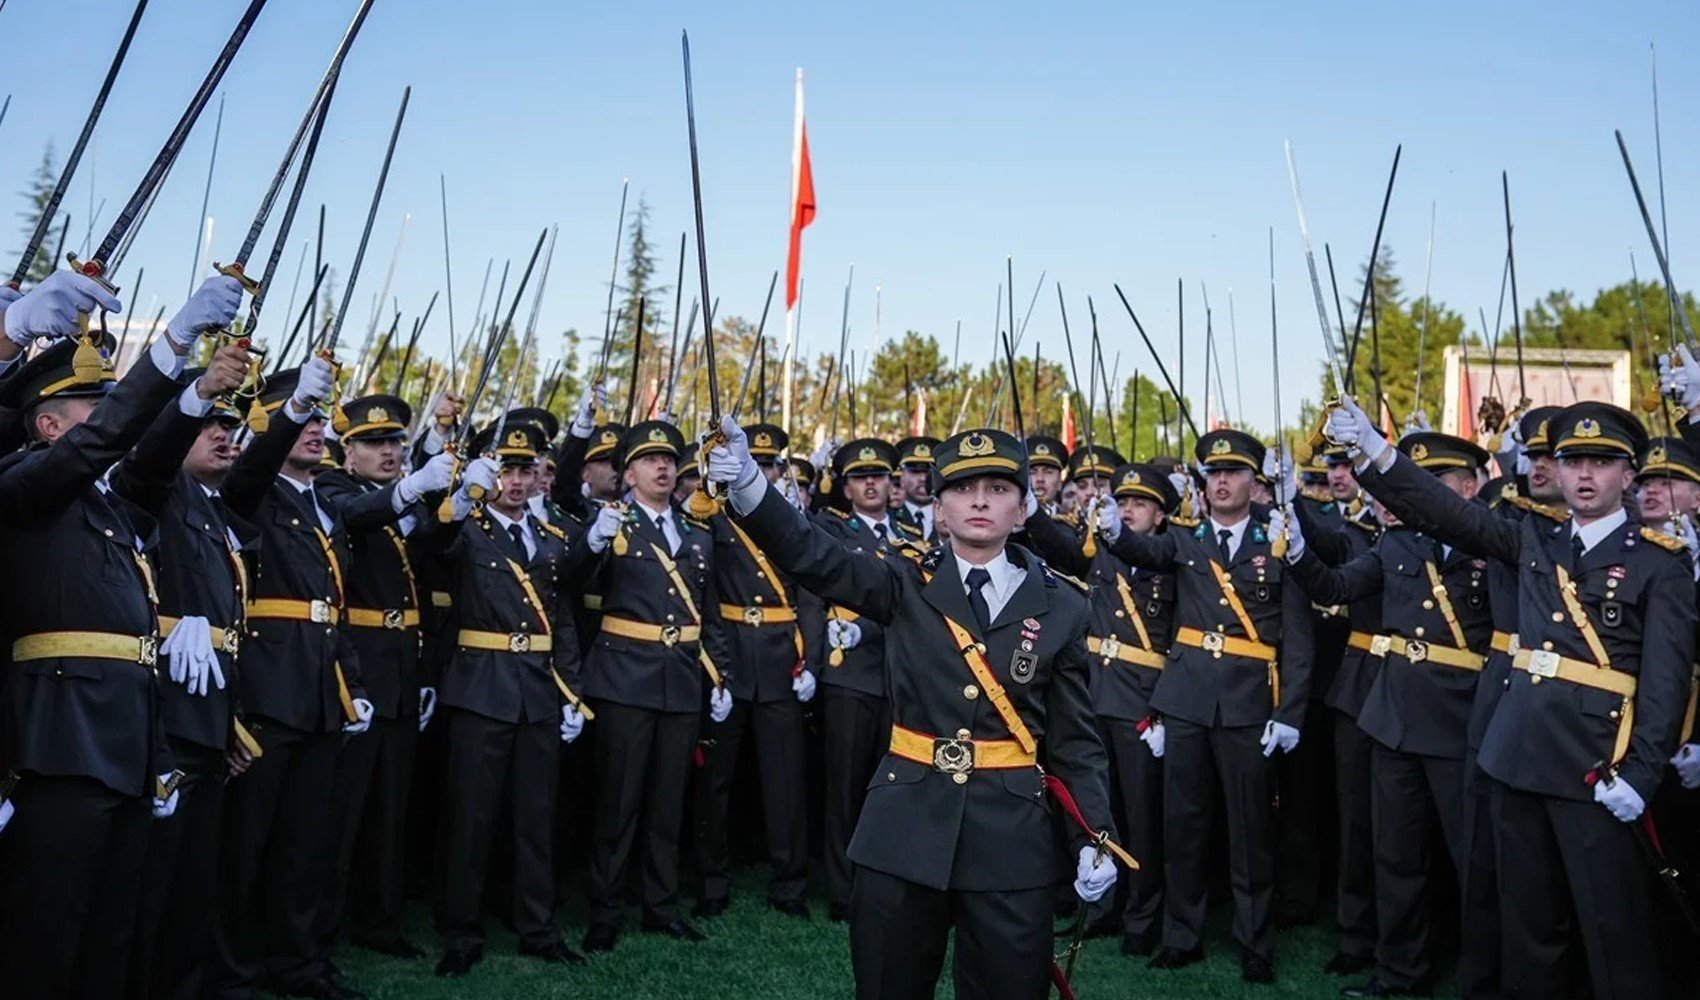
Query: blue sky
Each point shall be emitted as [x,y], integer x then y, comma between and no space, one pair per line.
[1099,142]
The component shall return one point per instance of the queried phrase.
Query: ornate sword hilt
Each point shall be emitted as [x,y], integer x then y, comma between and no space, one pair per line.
[248,284]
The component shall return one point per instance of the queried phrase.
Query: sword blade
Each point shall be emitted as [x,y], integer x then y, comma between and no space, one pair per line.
[366,233]
[702,247]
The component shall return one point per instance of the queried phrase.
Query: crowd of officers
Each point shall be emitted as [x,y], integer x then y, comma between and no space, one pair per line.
[270,659]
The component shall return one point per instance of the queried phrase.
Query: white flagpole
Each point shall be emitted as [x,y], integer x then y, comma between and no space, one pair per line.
[790,219]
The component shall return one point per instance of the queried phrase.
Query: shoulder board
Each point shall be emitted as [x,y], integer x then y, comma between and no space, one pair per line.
[1189,523]
[1052,574]
[835,512]
[1369,526]
[1067,517]
[551,529]
[1545,510]
[909,528]
[1662,540]
[692,522]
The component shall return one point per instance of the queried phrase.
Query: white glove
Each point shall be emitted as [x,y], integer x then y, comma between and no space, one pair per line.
[803,685]
[50,309]
[1278,735]
[719,704]
[1280,521]
[822,456]
[7,809]
[1110,521]
[843,634]
[572,723]
[1352,427]
[1031,504]
[8,295]
[437,474]
[212,307]
[481,472]
[1278,469]
[730,463]
[193,658]
[1686,378]
[1686,762]
[1093,876]
[1417,423]
[163,808]
[594,398]
[362,717]
[605,527]
[1682,529]
[427,706]
[317,381]
[1153,738]
[1621,798]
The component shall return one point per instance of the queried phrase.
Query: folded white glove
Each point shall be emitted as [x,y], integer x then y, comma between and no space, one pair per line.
[1687,764]
[1110,521]
[605,527]
[1687,377]
[427,706]
[1093,876]
[317,381]
[7,810]
[1278,735]
[436,474]
[362,717]
[1153,738]
[843,634]
[1621,798]
[483,473]
[1278,469]
[163,808]
[731,463]
[212,307]
[572,723]
[719,704]
[594,398]
[50,309]
[1281,521]
[803,685]
[193,658]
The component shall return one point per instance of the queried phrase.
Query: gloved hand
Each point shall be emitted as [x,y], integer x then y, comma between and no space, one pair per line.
[1281,521]
[1684,377]
[1030,504]
[843,634]
[212,307]
[1352,427]
[821,457]
[1510,455]
[1110,521]
[317,381]
[481,472]
[1682,529]
[163,808]
[193,659]
[7,810]
[719,704]
[1621,798]
[1278,469]
[1278,735]
[1093,876]
[437,474]
[1687,764]
[8,295]
[362,718]
[730,463]
[1153,738]
[50,308]
[427,706]
[572,723]
[605,527]
[803,685]
[594,398]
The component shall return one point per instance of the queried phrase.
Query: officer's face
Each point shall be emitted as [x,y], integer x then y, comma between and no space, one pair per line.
[895,492]
[1045,480]
[771,470]
[1592,486]
[546,477]
[1229,492]
[917,484]
[378,461]
[651,477]
[1087,487]
[212,454]
[1070,497]
[309,446]
[600,477]
[514,487]
[1462,482]
[981,511]
[1543,479]
[869,494]
[1140,515]
[1342,485]
[686,485]
[1660,497]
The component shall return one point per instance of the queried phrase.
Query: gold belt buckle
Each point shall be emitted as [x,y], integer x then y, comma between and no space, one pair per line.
[392,618]
[1213,642]
[1109,648]
[147,650]
[953,756]
[670,635]
[1379,645]
[752,615]
[319,611]
[1416,650]
[519,642]
[1543,663]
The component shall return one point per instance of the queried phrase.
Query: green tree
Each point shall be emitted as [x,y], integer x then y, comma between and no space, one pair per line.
[36,192]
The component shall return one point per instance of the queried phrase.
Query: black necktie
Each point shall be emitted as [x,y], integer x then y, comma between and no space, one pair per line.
[1576,551]
[517,533]
[977,580]
[661,529]
[879,529]
[1225,541]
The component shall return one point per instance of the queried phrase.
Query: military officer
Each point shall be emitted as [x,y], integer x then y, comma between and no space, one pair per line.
[1667,480]
[1090,468]
[803,471]
[915,471]
[1046,457]
[1601,674]
[1234,691]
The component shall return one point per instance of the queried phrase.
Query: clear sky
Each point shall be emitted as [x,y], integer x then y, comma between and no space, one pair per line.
[1107,142]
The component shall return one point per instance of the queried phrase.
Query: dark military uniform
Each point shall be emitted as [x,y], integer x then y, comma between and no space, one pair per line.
[957,829]
[916,454]
[1222,684]
[79,711]
[1436,625]
[1567,866]
[1132,626]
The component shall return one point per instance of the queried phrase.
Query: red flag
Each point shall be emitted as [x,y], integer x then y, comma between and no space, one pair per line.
[802,198]
[918,420]
[1067,425]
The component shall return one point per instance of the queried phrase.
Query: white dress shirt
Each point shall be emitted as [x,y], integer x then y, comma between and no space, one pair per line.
[503,523]
[875,523]
[1595,532]
[668,526]
[923,516]
[1236,534]
[1006,577]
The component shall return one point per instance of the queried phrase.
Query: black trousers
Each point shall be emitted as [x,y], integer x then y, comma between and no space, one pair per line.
[1410,797]
[1136,793]
[1304,782]
[174,915]
[70,876]
[643,763]
[857,735]
[272,857]
[366,887]
[1479,934]
[899,930]
[777,728]
[1579,903]
[1192,755]
[487,758]
[1354,905]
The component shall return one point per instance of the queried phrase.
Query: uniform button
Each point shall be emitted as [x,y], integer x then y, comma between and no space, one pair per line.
[758,599]
[109,532]
[669,617]
[980,647]
[671,591]
[1419,631]
[1120,613]
[1558,616]
[1401,567]
[1535,680]
[1614,714]
[891,775]
[963,734]
[1547,644]
[292,521]
[1428,605]
[970,692]
[1222,601]
[959,778]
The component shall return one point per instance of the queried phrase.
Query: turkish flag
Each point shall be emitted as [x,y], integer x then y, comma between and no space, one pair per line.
[1067,424]
[802,208]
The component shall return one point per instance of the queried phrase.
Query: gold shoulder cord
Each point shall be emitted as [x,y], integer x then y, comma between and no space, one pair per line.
[1126,594]
[1444,601]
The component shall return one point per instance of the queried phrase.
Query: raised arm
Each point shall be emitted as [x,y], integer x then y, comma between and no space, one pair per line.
[1424,503]
[1057,545]
[818,561]
[146,474]
[1153,552]
[1358,578]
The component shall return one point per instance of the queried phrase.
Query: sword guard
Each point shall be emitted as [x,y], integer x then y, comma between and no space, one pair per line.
[249,285]
[95,269]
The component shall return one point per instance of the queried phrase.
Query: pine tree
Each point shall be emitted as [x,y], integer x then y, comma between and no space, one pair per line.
[39,189]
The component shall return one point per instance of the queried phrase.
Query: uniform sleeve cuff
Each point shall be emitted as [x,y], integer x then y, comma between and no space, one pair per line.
[191,404]
[168,361]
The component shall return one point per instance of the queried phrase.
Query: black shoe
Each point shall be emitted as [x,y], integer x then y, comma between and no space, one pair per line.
[710,906]
[678,930]
[324,988]
[1376,988]
[1343,964]
[1176,958]
[600,937]
[396,947]
[554,952]
[791,907]
[457,962]
[1138,944]
[1293,916]
[1256,969]
[838,913]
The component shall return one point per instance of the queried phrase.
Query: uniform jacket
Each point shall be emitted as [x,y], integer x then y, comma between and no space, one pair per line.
[863,665]
[765,655]
[993,831]
[1546,737]
[1336,541]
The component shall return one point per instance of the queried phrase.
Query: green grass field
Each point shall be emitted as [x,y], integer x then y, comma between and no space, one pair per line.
[756,954]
